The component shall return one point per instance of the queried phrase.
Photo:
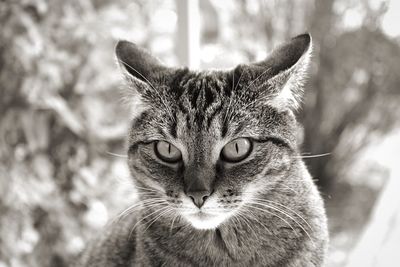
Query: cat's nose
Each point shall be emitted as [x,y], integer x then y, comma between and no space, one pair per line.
[198,197]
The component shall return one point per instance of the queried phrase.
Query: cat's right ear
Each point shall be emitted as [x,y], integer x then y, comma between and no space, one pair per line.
[140,69]
[138,65]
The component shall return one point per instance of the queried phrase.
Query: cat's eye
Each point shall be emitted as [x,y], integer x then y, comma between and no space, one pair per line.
[167,152]
[236,150]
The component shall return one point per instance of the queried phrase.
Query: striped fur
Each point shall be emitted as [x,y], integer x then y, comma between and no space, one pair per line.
[263,211]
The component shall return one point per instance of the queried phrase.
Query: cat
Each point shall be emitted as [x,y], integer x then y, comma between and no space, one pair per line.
[216,163]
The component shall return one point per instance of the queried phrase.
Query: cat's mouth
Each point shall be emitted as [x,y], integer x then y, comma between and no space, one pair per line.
[202,215]
[204,220]
[209,216]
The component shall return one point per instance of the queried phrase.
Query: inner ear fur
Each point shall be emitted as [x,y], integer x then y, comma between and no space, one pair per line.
[138,62]
[282,74]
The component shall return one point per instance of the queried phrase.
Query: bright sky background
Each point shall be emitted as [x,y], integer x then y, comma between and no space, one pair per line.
[391,20]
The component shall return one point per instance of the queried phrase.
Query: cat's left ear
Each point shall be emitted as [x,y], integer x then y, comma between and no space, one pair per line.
[285,71]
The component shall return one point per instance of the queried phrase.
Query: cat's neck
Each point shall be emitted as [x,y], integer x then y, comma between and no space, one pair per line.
[184,242]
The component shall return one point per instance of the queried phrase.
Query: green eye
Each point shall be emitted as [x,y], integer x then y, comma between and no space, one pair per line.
[167,152]
[236,150]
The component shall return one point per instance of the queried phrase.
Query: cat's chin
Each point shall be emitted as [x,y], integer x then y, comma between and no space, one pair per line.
[205,221]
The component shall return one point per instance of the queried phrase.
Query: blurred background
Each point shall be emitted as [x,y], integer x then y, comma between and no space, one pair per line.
[63,124]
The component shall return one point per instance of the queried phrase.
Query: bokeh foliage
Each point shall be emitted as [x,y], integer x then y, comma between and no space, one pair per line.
[61,115]
[352,94]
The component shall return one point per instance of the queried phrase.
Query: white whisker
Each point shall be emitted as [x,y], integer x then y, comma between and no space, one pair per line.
[134,207]
[285,207]
[313,156]
[143,218]
[254,218]
[172,223]
[284,213]
[269,212]
[158,216]
[116,155]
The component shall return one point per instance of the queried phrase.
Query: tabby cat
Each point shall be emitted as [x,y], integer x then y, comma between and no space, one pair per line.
[215,159]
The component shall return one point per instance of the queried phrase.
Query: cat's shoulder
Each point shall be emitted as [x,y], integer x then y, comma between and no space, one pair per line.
[113,246]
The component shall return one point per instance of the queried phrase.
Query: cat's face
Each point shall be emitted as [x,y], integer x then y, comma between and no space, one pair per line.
[202,144]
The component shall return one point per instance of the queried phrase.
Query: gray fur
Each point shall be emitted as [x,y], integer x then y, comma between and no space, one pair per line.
[199,112]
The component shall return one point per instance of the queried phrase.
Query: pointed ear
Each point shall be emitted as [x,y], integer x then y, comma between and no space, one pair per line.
[285,71]
[136,62]
[140,69]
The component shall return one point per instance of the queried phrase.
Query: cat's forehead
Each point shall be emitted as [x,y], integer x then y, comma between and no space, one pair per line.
[200,89]
[203,91]
[207,107]
[200,97]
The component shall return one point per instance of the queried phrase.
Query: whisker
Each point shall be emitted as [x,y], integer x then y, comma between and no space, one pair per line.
[158,217]
[147,188]
[260,209]
[172,223]
[116,155]
[156,91]
[285,207]
[287,215]
[228,110]
[235,221]
[135,70]
[230,99]
[147,194]
[259,76]
[240,77]
[125,181]
[143,218]
[253,217]
[243,216]
[289,188]
[279,185]
[313,156]
[262,98]
[137,205]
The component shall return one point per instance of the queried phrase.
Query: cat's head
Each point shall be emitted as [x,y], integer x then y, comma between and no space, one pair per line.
[203,143]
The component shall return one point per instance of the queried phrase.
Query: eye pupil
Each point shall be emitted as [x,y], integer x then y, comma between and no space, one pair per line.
[167,152]
[236,150]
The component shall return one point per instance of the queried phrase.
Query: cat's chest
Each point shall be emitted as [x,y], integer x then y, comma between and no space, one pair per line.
[221,247]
